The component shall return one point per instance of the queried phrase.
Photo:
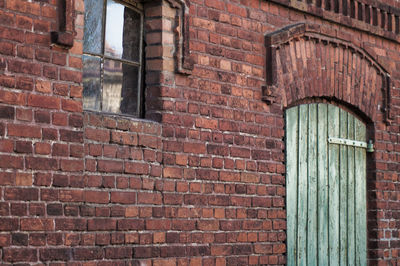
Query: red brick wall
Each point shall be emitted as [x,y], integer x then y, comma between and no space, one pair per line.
[203,185]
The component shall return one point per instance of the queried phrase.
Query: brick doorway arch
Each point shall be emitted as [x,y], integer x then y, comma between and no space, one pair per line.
[306,61]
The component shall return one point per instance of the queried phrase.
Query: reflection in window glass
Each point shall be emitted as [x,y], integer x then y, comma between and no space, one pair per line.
[93,25]
[122,32]
[91,82]
[120,88]
[112,57]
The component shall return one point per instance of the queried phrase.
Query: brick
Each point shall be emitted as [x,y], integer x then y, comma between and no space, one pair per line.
[7,178]
[5,240]
[97,196]
[54,209]
[24,67]
[218,150]
[100,135]
[37,224]
[136,168]
[71,105]
[123,197]
[12,34]
[52,254]
[7,18]
[9,82]
[50,72]
[146,252]
[72,165]
[130,224]
[124,138]
[69,75]
[38,39]
[59,59]
[19,209]
[118,252]
[7,48]
[20,130]
[88,253]
[149,141]
[42,55]
[23,179]
[38,163]
[71,195]
[25,51]
[171,172]
[20,255]
[110,166]
[47,102]
[198,148]
[7,112]
[221,250]
[42,148]
[26,194]
[102,224]
[8,224]
[42,117]
[69,224]
[149,198]
[75,121]
[71,135]
[207,123]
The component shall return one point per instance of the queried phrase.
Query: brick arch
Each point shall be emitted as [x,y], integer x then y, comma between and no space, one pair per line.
[308,61]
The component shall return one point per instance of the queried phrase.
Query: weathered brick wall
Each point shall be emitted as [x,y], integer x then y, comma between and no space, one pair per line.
[201,180]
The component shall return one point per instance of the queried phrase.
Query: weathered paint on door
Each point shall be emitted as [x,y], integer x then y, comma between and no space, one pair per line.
[326,187]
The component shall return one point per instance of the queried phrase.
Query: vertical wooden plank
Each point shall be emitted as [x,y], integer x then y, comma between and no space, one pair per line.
[333,180]
[360,196]
[302,200]
[291,182]
[343,189]
[312,237]
[323,258]
[351,247]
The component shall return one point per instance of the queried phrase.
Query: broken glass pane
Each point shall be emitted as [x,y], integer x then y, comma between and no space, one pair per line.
[91,82]
[123,35]
[92,42]
[120,87]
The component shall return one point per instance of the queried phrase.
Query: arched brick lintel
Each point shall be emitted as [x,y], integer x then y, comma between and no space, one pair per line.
[308,60]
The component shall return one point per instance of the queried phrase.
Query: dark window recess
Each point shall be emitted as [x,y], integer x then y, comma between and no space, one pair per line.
[112,60]
[64,36]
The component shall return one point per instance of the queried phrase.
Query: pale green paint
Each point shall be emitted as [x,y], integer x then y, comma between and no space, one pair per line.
[351,240]
[291,184]
[302,187]
[343,189]
[312,252]
[360,197]
[326,187]
[333,185]
[322,185]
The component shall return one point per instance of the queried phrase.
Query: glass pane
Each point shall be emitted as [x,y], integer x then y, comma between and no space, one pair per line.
[93,26]
[120,87]
[91,82]
[123,35]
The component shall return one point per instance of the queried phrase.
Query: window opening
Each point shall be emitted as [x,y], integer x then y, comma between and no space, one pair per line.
[112,57]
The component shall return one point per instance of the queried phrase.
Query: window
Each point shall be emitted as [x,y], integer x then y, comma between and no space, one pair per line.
[112,56]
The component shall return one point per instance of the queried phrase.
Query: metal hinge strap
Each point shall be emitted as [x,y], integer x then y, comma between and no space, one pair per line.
[348,142]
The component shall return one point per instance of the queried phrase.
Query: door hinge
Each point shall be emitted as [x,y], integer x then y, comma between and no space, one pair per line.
[348,142]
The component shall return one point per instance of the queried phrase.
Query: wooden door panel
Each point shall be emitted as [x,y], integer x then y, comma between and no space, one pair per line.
[326,187]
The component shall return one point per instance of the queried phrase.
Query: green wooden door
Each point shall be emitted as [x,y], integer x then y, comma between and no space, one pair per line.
[325,186]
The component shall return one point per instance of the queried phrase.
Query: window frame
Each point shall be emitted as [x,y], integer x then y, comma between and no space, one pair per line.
[137,7]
